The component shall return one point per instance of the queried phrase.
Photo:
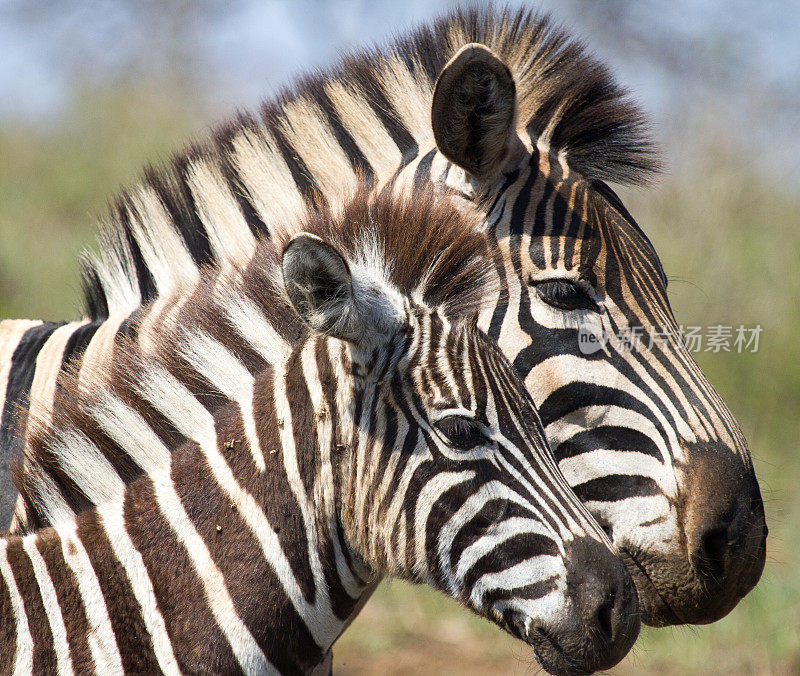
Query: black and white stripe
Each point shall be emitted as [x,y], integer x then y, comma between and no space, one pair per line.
[382,435]
[641,435]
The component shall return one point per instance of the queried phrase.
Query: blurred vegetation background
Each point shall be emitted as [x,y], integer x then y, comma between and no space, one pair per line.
[91,92]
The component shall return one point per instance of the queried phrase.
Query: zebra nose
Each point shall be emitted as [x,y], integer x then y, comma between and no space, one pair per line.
[605,592]
[719,541]
[725,531]
[604,619]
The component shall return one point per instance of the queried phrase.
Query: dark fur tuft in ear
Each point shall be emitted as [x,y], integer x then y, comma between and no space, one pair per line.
[473,111]
[319,286]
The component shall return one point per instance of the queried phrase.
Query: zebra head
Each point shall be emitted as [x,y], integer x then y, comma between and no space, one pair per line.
[583,316]
[445,477]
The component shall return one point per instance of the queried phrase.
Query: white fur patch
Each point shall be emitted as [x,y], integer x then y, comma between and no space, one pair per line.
[48,366]
[163,249]
[130,559]
[249,322]
[11,331]
[366,129]
[228,234]
[218,364]
[269,182]
[102,643]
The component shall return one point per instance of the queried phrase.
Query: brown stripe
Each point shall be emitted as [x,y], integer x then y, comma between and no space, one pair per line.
[69,599]
[133,640]
[251,581]
[44,658]
[198,644]
[284,514]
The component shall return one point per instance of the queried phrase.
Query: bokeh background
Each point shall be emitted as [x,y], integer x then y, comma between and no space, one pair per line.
[90,91]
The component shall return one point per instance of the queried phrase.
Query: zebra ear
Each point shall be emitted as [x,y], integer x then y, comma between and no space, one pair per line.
[474,111]
[320,287]
[333,301]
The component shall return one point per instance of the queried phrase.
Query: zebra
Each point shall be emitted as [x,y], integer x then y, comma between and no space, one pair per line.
[381,434]
[506,115]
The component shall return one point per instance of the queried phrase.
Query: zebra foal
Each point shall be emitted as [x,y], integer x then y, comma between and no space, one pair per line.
[383,435]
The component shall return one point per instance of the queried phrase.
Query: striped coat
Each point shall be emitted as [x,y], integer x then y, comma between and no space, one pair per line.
[388,437]
[525,129]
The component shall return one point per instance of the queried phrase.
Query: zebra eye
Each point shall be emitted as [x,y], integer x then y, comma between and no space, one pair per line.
[565,295]
[462,433]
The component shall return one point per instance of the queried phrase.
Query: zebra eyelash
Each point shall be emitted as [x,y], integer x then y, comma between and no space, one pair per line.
[567,295]
[461,432]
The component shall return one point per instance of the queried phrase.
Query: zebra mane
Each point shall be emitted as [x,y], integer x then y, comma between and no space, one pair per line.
[236,323]
[367,116]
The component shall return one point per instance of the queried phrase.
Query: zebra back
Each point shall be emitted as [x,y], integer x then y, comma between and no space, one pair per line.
[367,117]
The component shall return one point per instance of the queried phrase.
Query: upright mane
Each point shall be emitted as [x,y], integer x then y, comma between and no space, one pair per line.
[240,319]
[368,116]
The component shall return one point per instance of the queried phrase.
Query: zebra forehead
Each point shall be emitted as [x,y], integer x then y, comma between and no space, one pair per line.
[418,246]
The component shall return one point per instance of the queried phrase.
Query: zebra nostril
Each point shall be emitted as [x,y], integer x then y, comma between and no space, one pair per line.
[605,626]
[712,552]
[604,596]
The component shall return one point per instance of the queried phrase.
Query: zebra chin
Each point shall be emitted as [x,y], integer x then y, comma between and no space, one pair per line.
[582,621]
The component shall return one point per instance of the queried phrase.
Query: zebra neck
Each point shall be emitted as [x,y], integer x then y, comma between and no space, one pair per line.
[100,594]
[195,564]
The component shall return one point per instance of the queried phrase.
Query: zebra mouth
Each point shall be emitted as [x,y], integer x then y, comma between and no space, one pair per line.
[549,653]
[639,573]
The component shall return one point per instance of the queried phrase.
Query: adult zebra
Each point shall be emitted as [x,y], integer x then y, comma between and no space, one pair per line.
[525,130]
[383,434]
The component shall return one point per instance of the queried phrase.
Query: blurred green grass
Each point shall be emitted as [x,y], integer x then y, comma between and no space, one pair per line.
[55,180]
[729,241]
